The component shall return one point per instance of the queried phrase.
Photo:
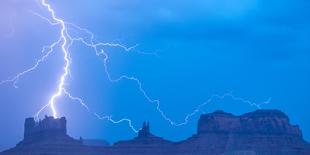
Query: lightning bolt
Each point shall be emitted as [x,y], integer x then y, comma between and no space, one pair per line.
[65,49]
[65,41]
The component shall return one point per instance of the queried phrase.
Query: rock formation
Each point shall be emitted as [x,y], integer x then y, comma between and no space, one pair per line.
[145,137]
[269,122]
[262,132]
[47,131]
[145,143]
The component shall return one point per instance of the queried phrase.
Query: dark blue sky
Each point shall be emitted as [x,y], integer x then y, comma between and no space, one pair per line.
[256,49]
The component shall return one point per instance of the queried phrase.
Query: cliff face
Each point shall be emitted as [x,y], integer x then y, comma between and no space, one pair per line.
[49,131]
[47,126]
[266,132]
[262,132]
[269,122]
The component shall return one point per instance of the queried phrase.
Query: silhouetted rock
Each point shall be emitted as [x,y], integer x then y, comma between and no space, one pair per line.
[262,132]
[144,132]
[47,131]
[258,122]
[45,136]
[145,137]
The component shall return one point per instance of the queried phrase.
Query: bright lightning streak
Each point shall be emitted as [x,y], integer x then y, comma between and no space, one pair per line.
[65,38]
[61,89]
[66,41]
[66,57]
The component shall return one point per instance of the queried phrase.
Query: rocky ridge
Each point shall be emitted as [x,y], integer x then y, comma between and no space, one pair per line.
[262,132]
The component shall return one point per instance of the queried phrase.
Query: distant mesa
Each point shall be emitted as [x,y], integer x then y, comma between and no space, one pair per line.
[262,132]
[268,122]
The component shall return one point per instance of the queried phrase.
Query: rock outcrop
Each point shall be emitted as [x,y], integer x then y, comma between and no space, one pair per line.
[269,122]
[47,131]
[262,132]
[145,143]
[145,137]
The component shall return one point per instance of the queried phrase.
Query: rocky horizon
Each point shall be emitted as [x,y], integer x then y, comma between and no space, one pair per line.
[261,132]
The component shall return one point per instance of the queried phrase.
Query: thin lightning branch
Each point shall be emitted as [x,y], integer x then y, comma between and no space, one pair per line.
[139,83]
[105,117]
[109,118]
[65,41]
[76,99]
[16,78]
[44,18]
[213,97]
[157,102]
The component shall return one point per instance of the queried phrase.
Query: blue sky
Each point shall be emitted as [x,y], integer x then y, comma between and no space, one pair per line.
[255,49]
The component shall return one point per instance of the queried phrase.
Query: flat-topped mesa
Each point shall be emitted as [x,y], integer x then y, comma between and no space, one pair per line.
[260,122]
[50,130]
[49,126]
[218,121]
[269,122]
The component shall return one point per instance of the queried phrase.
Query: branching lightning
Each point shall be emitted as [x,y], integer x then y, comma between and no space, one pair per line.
[16,78]
[64,49]
[65,41]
